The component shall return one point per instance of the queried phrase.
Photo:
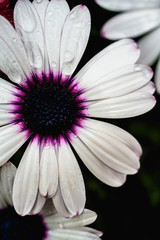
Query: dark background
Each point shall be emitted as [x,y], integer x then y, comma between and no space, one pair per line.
[131,211]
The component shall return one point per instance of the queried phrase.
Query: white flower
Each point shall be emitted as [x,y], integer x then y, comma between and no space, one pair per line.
[57,113]
[141,17]
[48,225]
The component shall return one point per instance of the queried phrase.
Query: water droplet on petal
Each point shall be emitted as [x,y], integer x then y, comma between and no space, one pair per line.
[14,40]
[39,1]
[72,15]
[53,64]
[50,13]
[137,68]
[34,55]
[26,18]
[68,56]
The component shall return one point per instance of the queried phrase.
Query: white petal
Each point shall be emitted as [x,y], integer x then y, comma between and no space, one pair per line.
[48,171]
[60,205]
[131,24]
[38,205]
[54,20]
[102,171]
[6,90]
[41,8]
[116,55]
[13,58]
[121,81]
[129,105]
[5,116]
[71,180]
[117,133]
[157,76]
[150,47]
[75,36]
[85,218]
[118,5]
[28,25]
[72,234]
[92,230]
[148,88]
[11,139]
[7,174]
[110,150]
[26,180]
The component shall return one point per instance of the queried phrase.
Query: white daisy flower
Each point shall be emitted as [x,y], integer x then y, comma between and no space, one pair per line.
[48,225]
[57,113]
[140,17]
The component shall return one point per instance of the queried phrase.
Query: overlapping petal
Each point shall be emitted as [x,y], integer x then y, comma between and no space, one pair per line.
[150,47]
[29,26]
[131,24]
[74,38]
[71,180]
[13,58]
[26,181]
[116,55]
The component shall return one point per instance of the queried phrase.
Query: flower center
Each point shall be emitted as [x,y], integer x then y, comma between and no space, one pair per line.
[48,108]
[15,227]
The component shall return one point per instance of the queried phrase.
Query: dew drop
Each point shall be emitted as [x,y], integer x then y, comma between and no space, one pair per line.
[68,56]
[50,13]
[72,15]
[39,1]
[14,40]
[53,64]
[26,20]
[34,54]
[137,68]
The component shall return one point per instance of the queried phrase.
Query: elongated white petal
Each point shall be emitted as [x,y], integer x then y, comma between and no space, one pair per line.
[38,205]
[72,234]
[60,205]
[91,230]
[71,180]
[11,139]
[110,150]
[13,58]
[118,5]
[150,48]
[5,116]
[75,36]
[121,81]
[148,88]
[116,55]
[157,76]
[41,8]
[115,132]
[6,90]
[26,181]
[85,218]
[129,105]
[131,24]
[7,174]
[28,25]
[48,171]
[102,171]
[55,16]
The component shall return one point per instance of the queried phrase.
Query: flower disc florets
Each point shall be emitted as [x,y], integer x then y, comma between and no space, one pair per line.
[49,108]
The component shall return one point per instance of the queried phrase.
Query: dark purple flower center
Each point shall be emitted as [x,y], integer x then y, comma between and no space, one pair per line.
[49,108]
[15,227]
